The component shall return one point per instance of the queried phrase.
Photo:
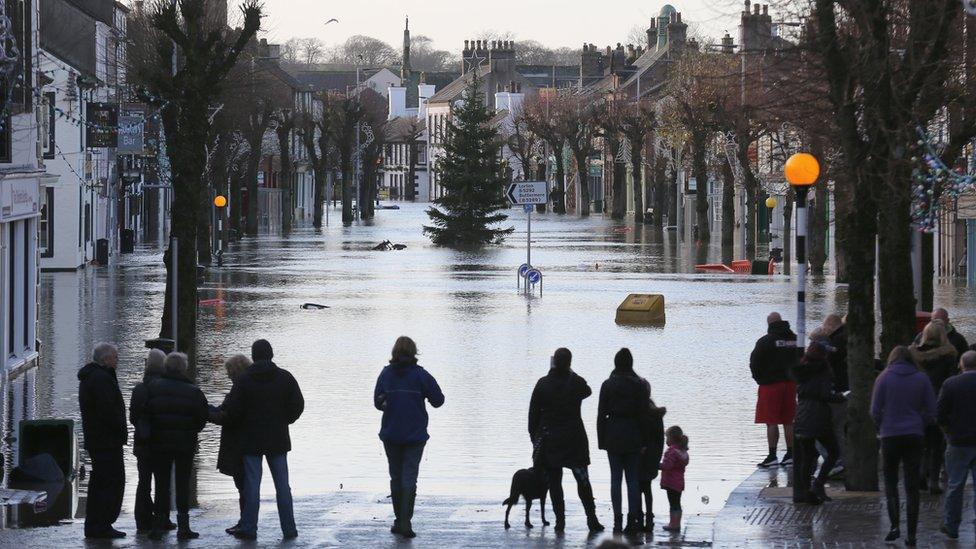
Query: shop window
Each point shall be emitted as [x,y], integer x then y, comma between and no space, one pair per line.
[45,232]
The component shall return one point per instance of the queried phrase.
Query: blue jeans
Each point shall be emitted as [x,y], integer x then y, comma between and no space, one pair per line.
[404,463]
[960,461]
[622,465]
[278,464]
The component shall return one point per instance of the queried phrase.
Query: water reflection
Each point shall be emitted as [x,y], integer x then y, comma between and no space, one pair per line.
[485,343]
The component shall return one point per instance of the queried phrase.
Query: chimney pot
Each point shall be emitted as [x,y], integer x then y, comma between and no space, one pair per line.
[678,15]
[755,9]
[765,9]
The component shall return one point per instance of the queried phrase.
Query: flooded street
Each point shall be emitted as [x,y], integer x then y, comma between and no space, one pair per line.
[485,343]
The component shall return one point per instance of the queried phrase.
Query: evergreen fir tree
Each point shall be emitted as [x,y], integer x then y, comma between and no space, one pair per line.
[467,215]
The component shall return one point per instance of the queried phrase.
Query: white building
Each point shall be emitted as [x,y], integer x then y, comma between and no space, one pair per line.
[22,175]
[406,134]
[79,59]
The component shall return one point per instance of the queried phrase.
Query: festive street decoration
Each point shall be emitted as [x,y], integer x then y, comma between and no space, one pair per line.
[934,182]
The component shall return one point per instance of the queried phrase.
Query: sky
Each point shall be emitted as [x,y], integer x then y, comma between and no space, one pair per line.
[449,22]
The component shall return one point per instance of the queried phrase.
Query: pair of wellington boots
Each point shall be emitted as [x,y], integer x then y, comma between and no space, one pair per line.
[403,502]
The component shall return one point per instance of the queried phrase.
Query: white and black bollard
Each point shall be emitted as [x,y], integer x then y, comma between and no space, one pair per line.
[801,267]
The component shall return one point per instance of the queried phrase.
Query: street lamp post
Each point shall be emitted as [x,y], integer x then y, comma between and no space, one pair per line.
[802,171]
[770,205]
[220,202]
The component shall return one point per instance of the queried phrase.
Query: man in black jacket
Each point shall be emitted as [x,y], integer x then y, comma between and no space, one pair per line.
[771,362]
[105,431]
[177,411]
[955,411]
[264,401]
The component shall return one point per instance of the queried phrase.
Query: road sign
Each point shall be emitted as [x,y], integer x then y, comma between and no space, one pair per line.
[528,192]
[533,276]
[524,268]
[528,208]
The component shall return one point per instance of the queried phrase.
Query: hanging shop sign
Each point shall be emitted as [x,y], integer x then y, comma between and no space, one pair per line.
[102,128]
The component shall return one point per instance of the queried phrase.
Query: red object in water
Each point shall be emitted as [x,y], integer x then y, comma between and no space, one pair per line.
[206,302]
[713,268]
[742,266]
[622,229]
[921,319]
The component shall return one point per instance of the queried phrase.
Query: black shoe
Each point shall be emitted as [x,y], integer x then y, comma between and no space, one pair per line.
[111,533]
[289,537]
[593,524]
[157,535]
[171,526]
[894,534]
[395,529]
[245,536]
[183,535]
[770,461]
[233,529]
[406,530]
[910,542]
[618,524]
[560,525]
[787,458]
[649,523]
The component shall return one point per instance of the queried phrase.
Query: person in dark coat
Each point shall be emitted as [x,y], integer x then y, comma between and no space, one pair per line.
[556,428]
[622,430]
[140,443]
[813,424]
[955,410]
[176,411]
[935,356]
[902,406]
[106,432]
[262,404]
[835,332]
[401,391]
[957,340]
[651,459]
[230,460]
[771,362]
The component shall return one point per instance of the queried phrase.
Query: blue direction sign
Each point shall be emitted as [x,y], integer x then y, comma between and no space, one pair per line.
[524,268]
[533,276]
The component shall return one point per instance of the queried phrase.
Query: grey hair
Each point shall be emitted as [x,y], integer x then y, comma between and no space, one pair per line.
[968,360]
[154,363]
[177,363]
[103,351]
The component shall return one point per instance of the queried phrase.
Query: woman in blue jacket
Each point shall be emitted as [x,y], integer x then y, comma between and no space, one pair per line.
[401,390]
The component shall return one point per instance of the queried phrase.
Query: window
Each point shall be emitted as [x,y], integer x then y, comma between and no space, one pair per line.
[88,222]
[12,294]
[48,125]
[46,225]
[27,224]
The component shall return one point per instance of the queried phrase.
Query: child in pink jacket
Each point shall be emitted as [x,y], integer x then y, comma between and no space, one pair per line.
[673,473]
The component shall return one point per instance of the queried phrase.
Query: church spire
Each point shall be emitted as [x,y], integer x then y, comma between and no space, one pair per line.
[405,69]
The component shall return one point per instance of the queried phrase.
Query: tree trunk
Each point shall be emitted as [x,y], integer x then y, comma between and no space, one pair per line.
[817,238]
[728,213]
[236,203]
[581,172]
[321,180]
[749,225]
[539,174]
[204,229]
[410,192]
[618,208]
[700,168]
[788,201]
[858,249]
[347,190]
[673,198]
[559,194]
[895,281]
[637,175]
[253,164]
[284,149]
[927,290]
[660,190]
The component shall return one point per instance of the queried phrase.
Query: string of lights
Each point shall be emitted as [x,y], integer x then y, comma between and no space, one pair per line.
[931,174]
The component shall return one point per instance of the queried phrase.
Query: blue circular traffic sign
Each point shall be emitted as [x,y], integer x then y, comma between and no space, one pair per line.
[524,268]
[533,276]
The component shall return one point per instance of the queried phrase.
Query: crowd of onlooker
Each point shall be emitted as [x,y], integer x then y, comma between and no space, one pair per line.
[923,405]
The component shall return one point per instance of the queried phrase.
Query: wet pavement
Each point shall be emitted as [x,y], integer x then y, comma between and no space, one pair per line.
[761,513]
[346,519]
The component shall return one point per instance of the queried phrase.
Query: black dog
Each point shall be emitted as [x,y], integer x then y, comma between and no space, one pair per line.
[530,484]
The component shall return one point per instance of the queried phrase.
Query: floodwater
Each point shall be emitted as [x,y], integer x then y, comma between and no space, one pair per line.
[485,343]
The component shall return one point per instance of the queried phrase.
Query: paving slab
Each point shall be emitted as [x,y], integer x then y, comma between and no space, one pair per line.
[761,513]
[345,519]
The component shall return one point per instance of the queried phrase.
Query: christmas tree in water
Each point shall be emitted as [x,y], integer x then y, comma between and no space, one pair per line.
[467,214]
